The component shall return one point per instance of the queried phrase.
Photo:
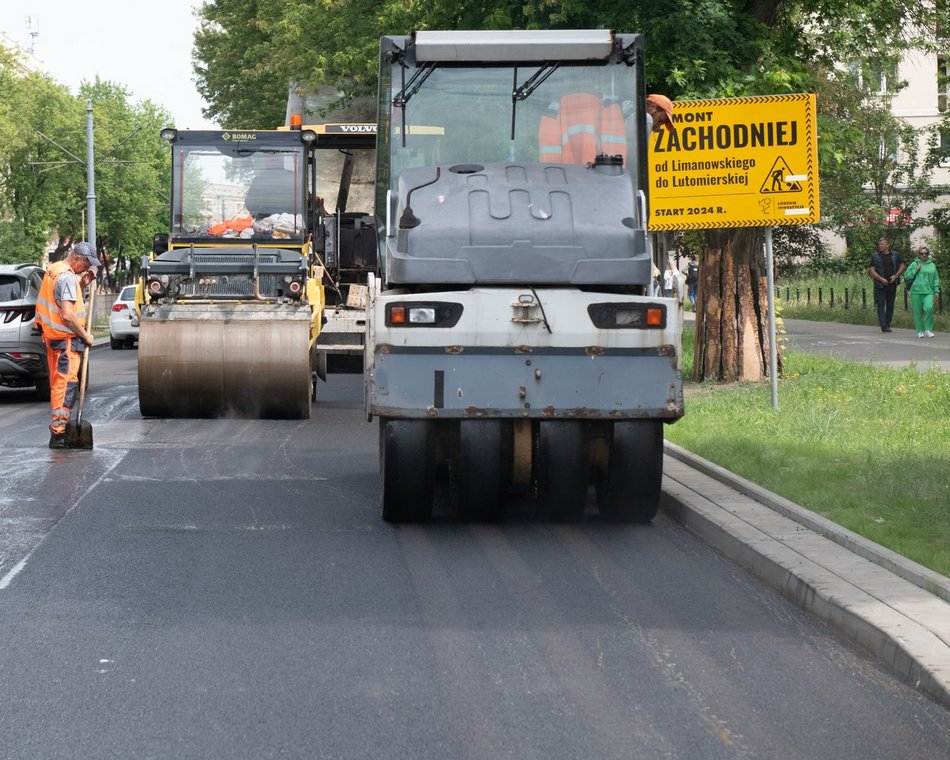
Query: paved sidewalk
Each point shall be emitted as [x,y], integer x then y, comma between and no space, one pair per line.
[862,343]
[897,610]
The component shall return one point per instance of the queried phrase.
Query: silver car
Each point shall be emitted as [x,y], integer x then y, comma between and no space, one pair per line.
[123,320]
[22,353]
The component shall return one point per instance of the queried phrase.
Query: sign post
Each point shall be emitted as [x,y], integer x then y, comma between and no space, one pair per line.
[737,162]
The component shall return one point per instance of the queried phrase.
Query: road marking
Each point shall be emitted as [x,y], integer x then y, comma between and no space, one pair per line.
[15,570]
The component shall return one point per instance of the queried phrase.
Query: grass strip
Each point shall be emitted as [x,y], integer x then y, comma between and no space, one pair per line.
[867,447]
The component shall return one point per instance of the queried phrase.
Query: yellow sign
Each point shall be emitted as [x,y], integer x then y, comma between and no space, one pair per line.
[735,162]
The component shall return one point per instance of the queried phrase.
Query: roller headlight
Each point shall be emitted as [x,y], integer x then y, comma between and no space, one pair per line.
[423,314]
[626,316]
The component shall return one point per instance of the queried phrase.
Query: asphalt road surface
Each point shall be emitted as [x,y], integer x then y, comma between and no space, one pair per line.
[226,589]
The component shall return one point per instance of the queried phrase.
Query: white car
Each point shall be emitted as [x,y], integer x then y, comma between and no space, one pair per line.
[123,321]
[22,353]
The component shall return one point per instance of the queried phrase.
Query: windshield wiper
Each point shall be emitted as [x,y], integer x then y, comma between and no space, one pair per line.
[409,89]
[523,91]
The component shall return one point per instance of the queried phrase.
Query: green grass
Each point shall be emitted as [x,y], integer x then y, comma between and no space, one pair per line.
[866,447]
[791,300]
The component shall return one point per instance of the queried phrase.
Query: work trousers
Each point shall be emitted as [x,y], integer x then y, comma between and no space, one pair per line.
[64,356]
[884,300]
[922,305]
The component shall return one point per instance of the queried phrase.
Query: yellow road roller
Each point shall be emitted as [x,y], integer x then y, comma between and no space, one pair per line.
[231,301]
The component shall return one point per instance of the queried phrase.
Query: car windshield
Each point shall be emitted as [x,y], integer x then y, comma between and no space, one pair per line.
[128,293]
[237,192]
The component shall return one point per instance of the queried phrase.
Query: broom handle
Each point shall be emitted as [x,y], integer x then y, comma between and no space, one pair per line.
[85,353]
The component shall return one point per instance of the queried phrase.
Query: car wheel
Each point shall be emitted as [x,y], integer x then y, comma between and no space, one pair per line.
[117,344]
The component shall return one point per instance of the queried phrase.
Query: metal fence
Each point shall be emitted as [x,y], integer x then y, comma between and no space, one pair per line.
[848,300]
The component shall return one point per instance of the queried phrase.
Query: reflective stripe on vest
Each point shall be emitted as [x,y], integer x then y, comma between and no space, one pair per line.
[47,310]
[613,138]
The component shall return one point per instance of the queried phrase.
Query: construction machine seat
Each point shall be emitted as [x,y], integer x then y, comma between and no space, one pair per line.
[579,127]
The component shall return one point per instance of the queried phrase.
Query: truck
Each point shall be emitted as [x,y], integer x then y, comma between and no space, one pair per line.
[232,301]
[514,344]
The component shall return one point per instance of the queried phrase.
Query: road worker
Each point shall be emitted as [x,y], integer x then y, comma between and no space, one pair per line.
[62,312]
[659,112]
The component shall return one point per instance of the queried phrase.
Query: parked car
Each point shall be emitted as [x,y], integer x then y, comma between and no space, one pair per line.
[123,321]
[22,353]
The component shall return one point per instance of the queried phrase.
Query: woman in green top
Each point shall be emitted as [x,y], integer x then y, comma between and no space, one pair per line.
[923,292]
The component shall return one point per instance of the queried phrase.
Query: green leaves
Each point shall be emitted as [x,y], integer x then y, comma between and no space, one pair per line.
[43,167]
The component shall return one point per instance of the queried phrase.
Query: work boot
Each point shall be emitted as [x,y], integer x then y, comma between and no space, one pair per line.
[57,441]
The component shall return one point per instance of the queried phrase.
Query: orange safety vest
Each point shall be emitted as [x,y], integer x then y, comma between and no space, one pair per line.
[48,310]
[237,224]
[575,130]
[613,137]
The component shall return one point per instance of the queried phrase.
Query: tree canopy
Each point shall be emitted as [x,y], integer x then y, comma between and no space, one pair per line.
[248,51]
[43,166]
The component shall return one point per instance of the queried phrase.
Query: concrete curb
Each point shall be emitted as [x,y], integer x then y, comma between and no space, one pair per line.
[917,574]
[864,595]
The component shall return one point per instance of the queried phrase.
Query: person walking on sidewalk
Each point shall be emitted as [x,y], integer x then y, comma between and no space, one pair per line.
[61,312]
[885,269]
[924,291]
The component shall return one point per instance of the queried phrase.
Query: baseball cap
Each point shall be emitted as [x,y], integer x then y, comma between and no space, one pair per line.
[89,251]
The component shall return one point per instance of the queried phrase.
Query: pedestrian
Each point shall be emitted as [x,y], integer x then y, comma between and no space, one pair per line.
[885,269]
[669,280]
[61,312]
[692,279]
[924,282]
[656,287]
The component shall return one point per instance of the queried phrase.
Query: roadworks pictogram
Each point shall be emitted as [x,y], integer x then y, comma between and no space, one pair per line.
[780,179]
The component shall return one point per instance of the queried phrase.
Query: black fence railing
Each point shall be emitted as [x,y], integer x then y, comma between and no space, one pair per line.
[798,295]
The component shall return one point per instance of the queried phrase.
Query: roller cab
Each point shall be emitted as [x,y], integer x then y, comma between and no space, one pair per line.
[232,299]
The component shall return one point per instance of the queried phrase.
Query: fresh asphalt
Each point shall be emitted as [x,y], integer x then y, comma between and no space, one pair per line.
[896,609]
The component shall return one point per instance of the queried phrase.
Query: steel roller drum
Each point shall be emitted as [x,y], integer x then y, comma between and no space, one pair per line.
[240,360]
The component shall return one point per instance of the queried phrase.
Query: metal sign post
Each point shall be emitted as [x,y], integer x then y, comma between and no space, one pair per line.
[90,175]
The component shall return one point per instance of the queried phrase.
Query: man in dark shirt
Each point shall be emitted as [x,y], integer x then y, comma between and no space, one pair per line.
[886,269]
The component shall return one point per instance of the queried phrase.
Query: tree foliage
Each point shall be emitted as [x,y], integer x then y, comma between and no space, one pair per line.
[869,161]
[43,166]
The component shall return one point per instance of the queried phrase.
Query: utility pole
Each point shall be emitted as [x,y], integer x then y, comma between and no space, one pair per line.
[90,176]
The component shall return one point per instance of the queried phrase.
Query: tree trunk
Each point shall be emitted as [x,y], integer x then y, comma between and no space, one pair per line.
[732,338]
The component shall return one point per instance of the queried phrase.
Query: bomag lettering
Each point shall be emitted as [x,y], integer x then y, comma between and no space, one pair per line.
[727,137]
[242,135]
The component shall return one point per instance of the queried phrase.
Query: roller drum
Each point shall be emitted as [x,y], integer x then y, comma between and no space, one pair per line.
[249,361]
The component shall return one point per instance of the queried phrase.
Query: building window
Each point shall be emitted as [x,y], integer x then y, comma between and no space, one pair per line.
[942,241]
[943,82]
[944,134]
[877,78]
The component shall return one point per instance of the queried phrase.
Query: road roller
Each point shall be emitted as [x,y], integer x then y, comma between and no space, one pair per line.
[232,299]
[516,352]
